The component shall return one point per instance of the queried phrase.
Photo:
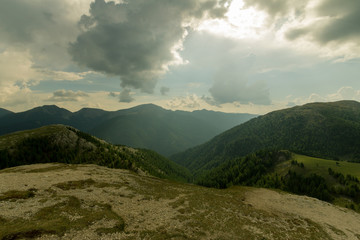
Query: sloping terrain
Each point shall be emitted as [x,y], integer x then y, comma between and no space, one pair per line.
[327,130]
[4,112]
[59,143]
[60,201]
[327,180]
[145,126]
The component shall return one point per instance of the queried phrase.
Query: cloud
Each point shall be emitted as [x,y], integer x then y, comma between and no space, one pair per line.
[338,21]
[328,27]
[61,75]
[273,7]
[125,96]
[233,88]
[278,8]
[138,40]
[343,93]
[113,94]
[232,84]
[42,27]
[188,102]
[67,96]
[164,90]
[210,101]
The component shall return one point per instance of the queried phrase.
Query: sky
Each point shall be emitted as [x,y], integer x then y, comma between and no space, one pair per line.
[243,56]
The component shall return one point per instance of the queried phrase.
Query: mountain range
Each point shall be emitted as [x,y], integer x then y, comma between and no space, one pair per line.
[327,130]
[257,153]
[145,126]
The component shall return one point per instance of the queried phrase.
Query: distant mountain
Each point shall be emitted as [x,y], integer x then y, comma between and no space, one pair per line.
[165,131]
[59,143]
[145,126]
[4,112]
[328,130]
[34,118]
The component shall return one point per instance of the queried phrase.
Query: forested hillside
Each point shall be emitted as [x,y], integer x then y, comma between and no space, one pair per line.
[327,130]
[58,143]
[4,112]
[282,170]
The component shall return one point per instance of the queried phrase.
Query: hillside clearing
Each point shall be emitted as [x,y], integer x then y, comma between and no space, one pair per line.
[321,166]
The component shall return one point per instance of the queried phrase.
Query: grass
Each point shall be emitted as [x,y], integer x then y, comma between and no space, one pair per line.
[59,219]
[208,212]
[15,195]
[82,184]
[70,185]
[321,166]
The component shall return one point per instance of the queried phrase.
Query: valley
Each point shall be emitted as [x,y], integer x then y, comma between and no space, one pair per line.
[58,182]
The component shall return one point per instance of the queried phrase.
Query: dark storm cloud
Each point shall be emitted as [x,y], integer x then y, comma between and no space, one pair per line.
[41,27]
[135,39]
[340,23]
[67,96]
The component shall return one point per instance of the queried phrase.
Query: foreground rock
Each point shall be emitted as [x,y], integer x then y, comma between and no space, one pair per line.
[58,201]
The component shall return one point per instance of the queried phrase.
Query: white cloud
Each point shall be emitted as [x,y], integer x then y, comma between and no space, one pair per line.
[189,102]
[343,93]
[61,75]
[67,96]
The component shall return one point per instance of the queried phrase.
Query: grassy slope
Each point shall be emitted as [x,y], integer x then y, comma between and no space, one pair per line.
[321,166]
[125,205]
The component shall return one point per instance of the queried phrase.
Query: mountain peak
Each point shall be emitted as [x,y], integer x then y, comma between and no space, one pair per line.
[148,107]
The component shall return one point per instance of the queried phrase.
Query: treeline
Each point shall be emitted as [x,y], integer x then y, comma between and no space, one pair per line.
[348,186]
[87,149]
[249,170]
[161,167]
[258,170]
[44,150]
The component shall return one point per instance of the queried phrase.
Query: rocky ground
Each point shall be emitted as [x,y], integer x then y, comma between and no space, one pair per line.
[58,201]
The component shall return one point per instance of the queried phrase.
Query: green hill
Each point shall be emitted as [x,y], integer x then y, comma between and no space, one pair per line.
[327,130]
[145,126]
[335,182]
[58,143]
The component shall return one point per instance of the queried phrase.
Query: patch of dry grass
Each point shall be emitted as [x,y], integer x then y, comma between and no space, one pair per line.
[14,195]
[60,218]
